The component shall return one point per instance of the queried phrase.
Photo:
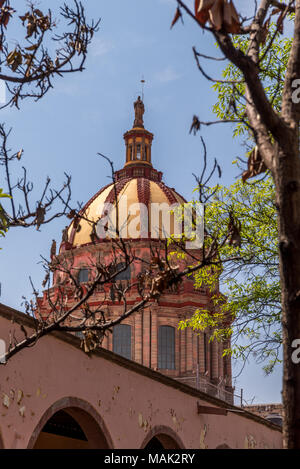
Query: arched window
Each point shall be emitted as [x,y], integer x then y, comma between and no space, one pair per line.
[83,275]
[166,347]
[138,151]
[122,340]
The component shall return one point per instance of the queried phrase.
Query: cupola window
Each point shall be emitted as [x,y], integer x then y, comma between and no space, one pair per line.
[145,154]
[138,151]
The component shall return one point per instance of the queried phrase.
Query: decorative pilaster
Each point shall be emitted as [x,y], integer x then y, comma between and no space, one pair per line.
[215,359]
[146,338]
[189,350]
[127,153]
[138,346]
[220,361]
[182,336]
[134,149]
[154,336]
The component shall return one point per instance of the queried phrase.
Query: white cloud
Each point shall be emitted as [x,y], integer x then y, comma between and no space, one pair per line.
[167,74]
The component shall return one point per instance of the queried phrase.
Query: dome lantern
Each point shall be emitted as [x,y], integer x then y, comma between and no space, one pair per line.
[138,140]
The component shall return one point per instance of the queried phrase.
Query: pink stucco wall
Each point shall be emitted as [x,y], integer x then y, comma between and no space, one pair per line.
[129,402]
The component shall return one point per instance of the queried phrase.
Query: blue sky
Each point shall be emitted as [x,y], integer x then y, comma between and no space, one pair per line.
[88,113]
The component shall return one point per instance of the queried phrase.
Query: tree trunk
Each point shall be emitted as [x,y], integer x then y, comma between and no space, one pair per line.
[287,181]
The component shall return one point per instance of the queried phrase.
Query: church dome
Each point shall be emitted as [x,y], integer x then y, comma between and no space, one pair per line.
[137,190]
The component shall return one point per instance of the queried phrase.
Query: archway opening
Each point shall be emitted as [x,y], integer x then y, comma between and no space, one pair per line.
[61,431]
[71,428]
[154,444]
[161,441]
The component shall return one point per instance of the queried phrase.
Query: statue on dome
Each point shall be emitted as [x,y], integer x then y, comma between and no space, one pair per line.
[139,109]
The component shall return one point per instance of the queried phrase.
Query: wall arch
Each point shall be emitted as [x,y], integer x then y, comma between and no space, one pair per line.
[223,446]
[165,436]
[85,415]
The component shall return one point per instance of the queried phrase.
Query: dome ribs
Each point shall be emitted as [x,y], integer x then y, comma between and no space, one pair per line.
[76,220]
[167,191]
[143,190]
[115,191]
[180,198]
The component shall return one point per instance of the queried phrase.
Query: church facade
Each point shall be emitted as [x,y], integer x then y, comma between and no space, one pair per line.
[151,336]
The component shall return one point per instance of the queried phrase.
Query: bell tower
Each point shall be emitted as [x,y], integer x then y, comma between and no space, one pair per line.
[138,140]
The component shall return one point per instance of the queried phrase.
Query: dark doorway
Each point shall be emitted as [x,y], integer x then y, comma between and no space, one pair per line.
[154,444]
[71,428]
